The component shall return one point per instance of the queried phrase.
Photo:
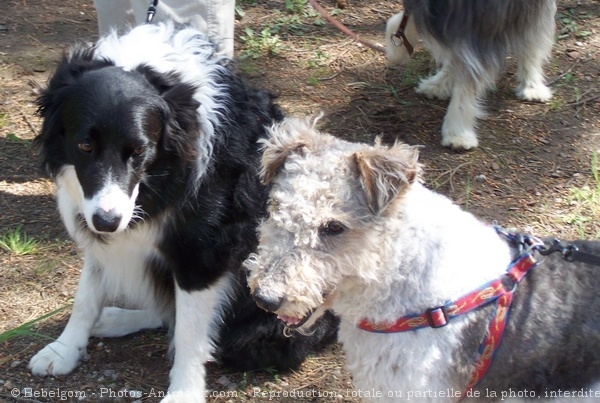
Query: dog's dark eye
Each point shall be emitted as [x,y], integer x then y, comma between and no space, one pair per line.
[86,146]
[332,228]
[139,150]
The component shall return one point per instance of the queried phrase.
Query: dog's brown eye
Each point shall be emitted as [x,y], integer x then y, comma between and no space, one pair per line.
[86,147]
[139,150]
[332,228]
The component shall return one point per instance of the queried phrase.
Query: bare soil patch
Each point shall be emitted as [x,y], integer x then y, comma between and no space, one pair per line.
[531,159]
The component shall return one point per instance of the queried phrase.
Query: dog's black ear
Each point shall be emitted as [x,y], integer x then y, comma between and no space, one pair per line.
[71,67]
[386,172]
[51,101]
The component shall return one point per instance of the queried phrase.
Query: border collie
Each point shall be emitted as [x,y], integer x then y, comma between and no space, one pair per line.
[151,139]
[470,39]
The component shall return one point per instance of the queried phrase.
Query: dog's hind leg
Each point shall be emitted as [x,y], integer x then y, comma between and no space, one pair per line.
[61,356]
[437,86]
[458,130]
[530,76]
[533,50]
[117,322]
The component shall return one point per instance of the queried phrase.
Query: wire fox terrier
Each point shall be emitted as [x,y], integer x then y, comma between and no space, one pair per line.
[418,282]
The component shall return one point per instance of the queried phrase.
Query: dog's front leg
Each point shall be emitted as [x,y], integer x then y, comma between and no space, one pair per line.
[197,313]
[61,356]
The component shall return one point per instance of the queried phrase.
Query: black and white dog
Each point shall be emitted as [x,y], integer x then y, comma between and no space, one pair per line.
[470,39]
[151,139]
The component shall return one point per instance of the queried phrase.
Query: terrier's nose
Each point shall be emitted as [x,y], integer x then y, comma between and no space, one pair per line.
[267,300]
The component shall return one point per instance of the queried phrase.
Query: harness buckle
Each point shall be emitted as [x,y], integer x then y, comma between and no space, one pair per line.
[437,317]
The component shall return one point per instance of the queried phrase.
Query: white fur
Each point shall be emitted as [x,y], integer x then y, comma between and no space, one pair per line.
[371,271]
[117,322]
[391,259]
[399,294]
[396,53]
[115,271]
[110,198]
[197,311]
[108,273]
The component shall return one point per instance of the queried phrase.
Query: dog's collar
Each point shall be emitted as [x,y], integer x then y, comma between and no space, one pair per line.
[500,290]
[401,35]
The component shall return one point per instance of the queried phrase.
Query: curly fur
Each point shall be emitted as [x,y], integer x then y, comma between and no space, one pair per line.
[324,244]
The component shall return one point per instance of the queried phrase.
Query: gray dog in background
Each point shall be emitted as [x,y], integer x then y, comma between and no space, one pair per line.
[470,40]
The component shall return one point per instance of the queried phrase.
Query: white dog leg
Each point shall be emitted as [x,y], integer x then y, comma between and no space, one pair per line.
[117,322]
[437,86]
[531,85]
[195,325]
[530,75]
[458,130]
[61,357]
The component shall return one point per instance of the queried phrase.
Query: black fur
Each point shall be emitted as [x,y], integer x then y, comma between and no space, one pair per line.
[208,227]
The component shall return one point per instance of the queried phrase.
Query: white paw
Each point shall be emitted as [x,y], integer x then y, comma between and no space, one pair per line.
[435,87]
[56,359]
[459,139]
[535,93]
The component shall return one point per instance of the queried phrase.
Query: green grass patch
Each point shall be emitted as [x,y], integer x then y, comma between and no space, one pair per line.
[17,242]
[581,208]
[26,329]
[257,44]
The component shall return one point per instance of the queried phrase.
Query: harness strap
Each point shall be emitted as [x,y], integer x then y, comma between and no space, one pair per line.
[491,341]
[401,34]
[500,290]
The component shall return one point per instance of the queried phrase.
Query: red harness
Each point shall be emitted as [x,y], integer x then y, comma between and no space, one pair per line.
[500,290]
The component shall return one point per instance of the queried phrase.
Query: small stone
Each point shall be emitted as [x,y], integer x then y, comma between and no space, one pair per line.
[110,373]
[223,380]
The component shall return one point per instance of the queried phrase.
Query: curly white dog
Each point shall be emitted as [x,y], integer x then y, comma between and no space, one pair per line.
[416,280]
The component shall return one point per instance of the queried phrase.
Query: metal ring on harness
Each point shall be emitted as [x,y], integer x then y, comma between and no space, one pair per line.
[393,38]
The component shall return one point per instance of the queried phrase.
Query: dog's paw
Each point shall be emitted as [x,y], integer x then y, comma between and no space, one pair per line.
[534,93]
[56,359]
[462,140]
[117,322]
[438,86]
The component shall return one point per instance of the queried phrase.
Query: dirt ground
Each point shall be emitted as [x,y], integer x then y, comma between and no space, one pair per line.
[533,169]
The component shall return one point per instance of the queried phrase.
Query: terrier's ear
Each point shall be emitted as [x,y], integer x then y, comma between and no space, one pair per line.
[386,172]
[273,158]
[287,137]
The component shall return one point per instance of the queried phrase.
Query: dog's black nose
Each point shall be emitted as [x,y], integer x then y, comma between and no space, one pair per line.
[267,300]
[106,221]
